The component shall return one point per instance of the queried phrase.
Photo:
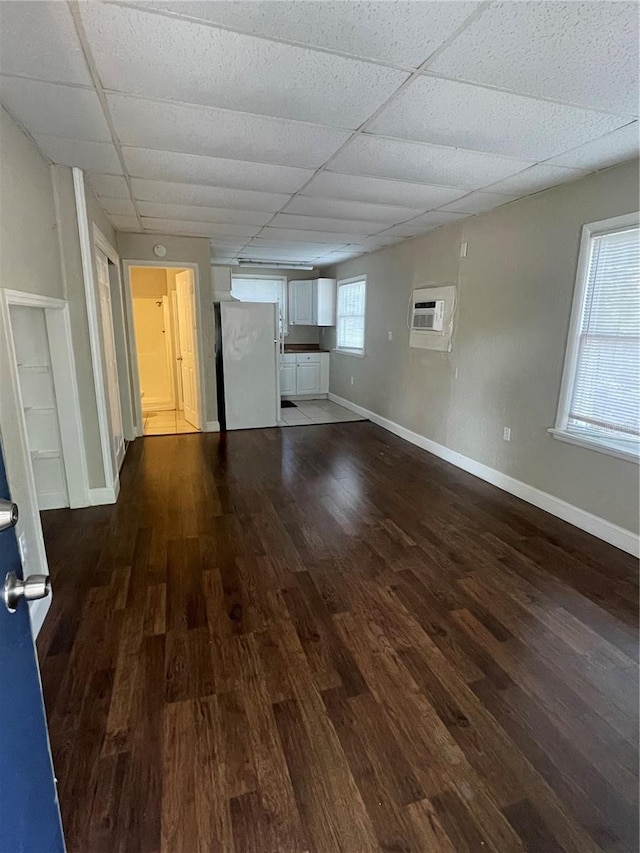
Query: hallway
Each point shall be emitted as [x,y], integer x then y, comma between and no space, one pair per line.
[329,640]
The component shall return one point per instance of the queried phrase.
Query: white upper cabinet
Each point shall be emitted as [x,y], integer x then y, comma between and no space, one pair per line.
[312,302]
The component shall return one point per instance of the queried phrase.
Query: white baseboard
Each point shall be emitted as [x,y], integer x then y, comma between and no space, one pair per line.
[624,539]
[211,426]
[106,494]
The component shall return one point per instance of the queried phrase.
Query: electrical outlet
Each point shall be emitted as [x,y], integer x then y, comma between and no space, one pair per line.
[506,433]
[390,336]
[352,380]
[464,248]
[455,373]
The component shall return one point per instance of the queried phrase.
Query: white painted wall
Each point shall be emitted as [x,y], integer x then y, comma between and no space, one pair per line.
[515,291]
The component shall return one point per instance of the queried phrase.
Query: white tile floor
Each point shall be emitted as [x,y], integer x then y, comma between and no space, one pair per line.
[166,423]
[309,412]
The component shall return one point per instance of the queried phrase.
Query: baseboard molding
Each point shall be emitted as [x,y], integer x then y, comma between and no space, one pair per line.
[624,539]
[106,494]
[211,426]
[157,406]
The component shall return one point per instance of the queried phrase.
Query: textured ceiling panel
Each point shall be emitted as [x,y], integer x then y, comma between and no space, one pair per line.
[446,112]
[183,61]
[394,31]
[57,110]
[429,164]
[38,39]
[379,190]
[220,172]
[477,202]
[194,213]
[218,133]
[108,185]
[178,193]
[579,53]
[534,179]
[342,209]
[622,144]
[92,156]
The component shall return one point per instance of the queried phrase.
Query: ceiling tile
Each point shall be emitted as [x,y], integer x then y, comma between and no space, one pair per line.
[298,235]
[179,60]
[580,53]
[108,185]
[124,223]
[177,193]
[422,224]
[477,202]
[118,207]
[536,178]
[446,112]
[92,156]
[38,39]
[313,223]
[198,229]
[308,249]
[622,144]
[240,174]
[53,109]
[195,213]
[221,133]
[401,33]
[342,209]
[378,190]
[428,164]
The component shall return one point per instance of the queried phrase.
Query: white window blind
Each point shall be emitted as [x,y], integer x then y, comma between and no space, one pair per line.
[351,316]
[262,290]
[605,400]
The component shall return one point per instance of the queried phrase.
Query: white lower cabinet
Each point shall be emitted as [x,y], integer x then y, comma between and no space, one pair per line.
[304,374]
[287,379]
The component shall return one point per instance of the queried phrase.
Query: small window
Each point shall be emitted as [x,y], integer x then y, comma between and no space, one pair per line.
[262,289]
[350,315]
[600,396]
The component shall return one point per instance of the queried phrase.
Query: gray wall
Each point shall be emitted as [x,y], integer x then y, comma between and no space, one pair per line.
[515,290]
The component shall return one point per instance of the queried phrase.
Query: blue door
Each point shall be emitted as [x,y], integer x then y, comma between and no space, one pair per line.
[29,813]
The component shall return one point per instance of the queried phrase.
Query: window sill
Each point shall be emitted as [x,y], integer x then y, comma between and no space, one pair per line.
[591,444]
[355,353]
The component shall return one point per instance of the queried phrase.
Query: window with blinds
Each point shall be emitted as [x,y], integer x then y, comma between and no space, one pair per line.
[350,316]
[603,402]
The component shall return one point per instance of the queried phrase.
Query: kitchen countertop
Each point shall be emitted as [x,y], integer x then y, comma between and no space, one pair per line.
[303,348]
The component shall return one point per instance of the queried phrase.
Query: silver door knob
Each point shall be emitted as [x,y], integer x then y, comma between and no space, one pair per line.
[31,588]
[8,514]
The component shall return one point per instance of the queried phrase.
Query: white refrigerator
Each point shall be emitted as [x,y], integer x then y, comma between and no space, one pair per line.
[248,365]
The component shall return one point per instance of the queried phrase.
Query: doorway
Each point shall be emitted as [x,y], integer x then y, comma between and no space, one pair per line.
[163,302]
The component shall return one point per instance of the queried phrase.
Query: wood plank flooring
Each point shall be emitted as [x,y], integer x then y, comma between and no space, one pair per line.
[326,639]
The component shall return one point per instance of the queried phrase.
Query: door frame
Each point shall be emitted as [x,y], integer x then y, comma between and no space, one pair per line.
[17,455]
[90,240]
[127,264]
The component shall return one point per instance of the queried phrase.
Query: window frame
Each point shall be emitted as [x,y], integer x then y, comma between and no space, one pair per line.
[285,289]
[560,430]
[356,353]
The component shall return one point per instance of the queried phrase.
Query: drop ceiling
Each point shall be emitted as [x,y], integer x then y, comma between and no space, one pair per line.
[311,132]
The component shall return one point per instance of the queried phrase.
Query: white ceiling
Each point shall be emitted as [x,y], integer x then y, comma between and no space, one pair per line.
[315,131]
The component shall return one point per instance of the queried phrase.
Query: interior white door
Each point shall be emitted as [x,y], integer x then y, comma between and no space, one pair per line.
[110,360]
[185,296]
[251,363]
[176,350]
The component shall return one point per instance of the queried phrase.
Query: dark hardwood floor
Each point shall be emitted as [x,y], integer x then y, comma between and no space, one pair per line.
[324,639]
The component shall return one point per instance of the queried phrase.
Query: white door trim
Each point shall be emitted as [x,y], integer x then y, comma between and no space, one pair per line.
[63,370]
[127,263]
[84,233]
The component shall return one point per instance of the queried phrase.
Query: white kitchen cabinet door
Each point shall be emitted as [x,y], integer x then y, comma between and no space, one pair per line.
[301,303]
[288,379]
[308,377]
